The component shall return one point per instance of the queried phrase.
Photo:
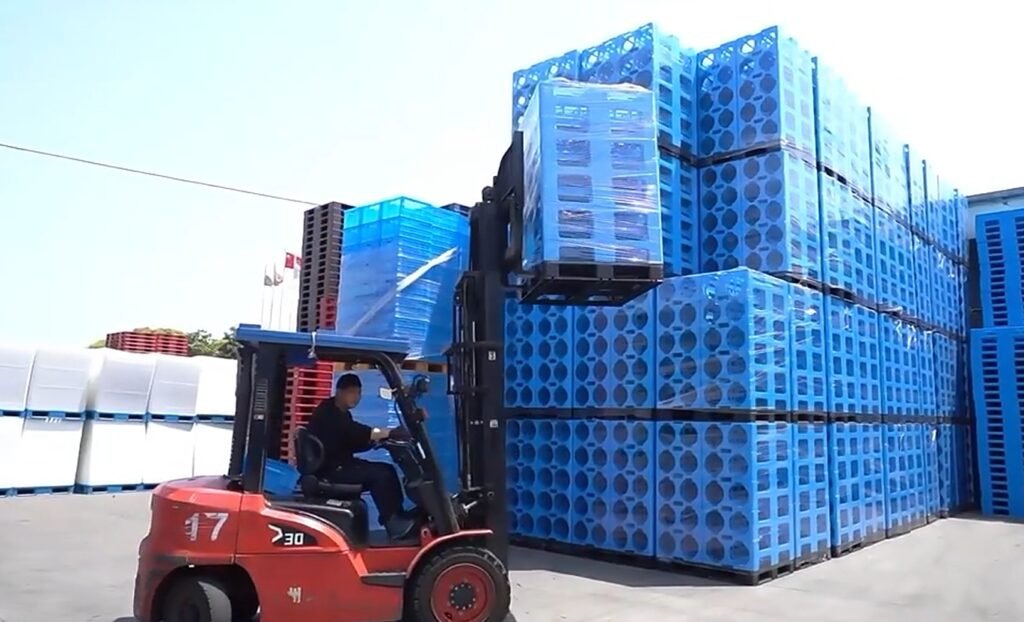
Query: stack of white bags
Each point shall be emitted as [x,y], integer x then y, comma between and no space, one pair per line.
[106,420]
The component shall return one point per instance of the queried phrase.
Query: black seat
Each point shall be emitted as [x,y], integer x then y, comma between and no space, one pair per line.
[309,457]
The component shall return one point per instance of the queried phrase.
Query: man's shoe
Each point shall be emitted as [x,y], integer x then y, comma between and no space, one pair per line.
[400,527]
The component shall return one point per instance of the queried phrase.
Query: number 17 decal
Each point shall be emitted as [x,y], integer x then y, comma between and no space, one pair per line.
[192,524]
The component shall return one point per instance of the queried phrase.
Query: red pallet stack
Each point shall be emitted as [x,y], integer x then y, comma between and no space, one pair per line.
[327,314]
[146,341]
[305,388]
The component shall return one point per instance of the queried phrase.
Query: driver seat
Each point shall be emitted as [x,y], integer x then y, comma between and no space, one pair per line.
[309,457]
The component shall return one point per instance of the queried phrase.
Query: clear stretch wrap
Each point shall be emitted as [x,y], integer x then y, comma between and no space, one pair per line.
[591,176]
[401,260]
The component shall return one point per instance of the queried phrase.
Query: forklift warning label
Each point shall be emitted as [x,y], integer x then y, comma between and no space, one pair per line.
[289,537]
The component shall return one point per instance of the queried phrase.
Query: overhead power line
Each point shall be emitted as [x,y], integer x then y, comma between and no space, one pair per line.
[136,171]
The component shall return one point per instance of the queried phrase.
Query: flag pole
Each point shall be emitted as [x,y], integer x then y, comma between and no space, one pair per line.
[263,298]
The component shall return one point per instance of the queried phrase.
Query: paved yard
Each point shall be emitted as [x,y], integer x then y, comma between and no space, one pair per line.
[72,559]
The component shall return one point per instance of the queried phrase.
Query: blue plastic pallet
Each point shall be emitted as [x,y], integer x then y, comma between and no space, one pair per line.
[901,388]
[52,414]
[925,347]
[613,489]
[725,494]
[888,170]
[755,92]
[947,376]
[677,182]
[761,212]
[841,123]
[856,484]
[809,374]
[946,297]
[525,81]
[894,248]
[812,523]
[540,466]
[82,489]
[853,357]
[538,356]
[906,504]
[734,327]
[932,475]
[914,167]
[997,366]
[1000,239]
[613,355]
[32,491]
[12,413]
[946,467]
[92,415]
[591,174]
[650,58]
[848,239]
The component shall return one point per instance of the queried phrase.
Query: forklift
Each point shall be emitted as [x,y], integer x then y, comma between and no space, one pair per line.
[222,549]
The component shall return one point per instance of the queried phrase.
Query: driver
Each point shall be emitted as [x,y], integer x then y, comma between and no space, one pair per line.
[342,438]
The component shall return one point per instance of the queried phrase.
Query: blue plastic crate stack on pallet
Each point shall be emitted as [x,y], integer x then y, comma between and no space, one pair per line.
[649,58]
[997,364]
[401,260]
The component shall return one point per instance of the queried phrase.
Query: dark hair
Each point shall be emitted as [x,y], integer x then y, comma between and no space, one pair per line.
[348,381]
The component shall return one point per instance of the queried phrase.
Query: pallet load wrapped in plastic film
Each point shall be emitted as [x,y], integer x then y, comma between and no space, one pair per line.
[401,261]
[591,208]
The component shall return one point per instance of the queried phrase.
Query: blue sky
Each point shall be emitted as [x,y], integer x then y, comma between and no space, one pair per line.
[357,101]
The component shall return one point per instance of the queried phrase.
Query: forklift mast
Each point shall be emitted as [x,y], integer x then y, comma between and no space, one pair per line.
[477,356]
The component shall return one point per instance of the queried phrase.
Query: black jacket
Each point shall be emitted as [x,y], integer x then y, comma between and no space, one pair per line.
[341,435]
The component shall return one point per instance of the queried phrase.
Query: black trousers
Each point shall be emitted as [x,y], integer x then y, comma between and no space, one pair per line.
[377,478]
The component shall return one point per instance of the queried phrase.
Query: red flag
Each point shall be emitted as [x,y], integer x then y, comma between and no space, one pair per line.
[289,261]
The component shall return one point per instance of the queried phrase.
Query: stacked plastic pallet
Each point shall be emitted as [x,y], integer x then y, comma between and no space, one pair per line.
[305,387]
[997,364]
[646,57]
[321,266]
[143,341]
[401,262]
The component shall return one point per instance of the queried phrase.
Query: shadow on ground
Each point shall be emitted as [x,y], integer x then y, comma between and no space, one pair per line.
[526,560]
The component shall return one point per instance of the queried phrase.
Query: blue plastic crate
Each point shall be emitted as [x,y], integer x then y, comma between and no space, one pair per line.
[812,522]
[997,364]
[755,92]
[946,351]
[1000,239]
[761,212]
[888,170]
[924,269]
[538,356]
[901,388]
[945,213]
[591,176]
[946,298]
[894,248]
[906,504]
[842,130]
[650,58]
[809,376]
[613,485]
[914,167]
[925,347]
[677,182]
[613,355]
[852,364]
[734,327]
[848,239]
[856,483]
[540,466]
[525,81]
[725,494]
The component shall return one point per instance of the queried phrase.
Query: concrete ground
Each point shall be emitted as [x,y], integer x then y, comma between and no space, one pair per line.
[72,559]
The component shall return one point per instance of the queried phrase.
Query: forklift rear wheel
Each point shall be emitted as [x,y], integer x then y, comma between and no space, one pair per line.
[463,584]
[196,599]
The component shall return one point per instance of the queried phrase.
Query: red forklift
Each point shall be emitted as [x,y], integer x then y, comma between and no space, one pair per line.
[221,549]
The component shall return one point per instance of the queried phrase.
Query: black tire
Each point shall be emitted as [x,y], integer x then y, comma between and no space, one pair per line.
[196,599]
[469,582]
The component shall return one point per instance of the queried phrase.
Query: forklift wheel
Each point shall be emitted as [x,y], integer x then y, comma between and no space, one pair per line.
[463,584]
[196,599]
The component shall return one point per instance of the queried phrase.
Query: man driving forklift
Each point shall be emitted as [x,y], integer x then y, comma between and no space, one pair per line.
[342,437]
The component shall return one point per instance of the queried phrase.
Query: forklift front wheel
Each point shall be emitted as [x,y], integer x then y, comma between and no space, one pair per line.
[461,584]
[196,599]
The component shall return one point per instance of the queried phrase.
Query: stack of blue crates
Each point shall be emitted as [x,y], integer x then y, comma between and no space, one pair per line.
[401,261]
[590,174]
[997,364]
[646,57]
[796,388]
